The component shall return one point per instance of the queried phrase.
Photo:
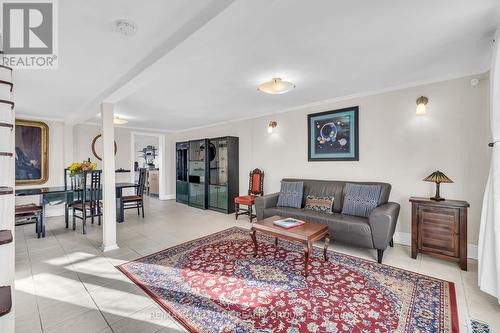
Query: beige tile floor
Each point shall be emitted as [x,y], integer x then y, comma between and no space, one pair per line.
[64,283]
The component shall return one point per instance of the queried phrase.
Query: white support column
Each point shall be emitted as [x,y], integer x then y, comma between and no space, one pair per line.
[108,173]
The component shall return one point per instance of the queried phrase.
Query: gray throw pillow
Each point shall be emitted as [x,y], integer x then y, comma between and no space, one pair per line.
[360,200]
[291,194]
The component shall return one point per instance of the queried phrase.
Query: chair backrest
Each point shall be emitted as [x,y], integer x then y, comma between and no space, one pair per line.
[71,182]
[92,186]
[142,182]
[256,183]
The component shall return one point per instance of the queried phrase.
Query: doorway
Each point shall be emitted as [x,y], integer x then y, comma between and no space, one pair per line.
[148,151]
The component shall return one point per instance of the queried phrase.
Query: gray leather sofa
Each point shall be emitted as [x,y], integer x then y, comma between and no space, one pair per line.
[374,232]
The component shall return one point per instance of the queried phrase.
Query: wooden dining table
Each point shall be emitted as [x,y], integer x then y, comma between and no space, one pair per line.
[65,194]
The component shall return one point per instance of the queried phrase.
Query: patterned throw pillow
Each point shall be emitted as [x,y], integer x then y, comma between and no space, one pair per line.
[360,200]
[291,194]
[319,204]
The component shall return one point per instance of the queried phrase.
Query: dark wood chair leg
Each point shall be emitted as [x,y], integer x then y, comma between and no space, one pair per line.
[142,208]
[391,243]
[66,213]
[236,210]
[42,225]
[38,226]
[92,213]
[250,210]
[380,254]
[99,213]
[84,215]
[138,209]
[74,220]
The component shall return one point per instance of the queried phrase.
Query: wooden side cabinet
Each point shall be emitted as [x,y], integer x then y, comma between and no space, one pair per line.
[439,228]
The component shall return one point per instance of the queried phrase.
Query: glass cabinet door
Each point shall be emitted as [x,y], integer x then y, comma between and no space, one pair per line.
[222,197]
[222,162]
[214,162]
[197,150]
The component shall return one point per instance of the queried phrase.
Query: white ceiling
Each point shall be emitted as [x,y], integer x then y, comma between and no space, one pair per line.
[92,56]
[327,48]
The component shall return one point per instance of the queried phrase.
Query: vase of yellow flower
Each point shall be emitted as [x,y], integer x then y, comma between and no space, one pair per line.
[77,169]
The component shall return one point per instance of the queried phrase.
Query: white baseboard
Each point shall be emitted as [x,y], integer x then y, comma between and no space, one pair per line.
[167,196]
[404,238]
[472,251]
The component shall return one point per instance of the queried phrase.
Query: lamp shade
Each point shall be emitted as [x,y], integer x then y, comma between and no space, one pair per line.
[276,86]
[438,177]
[120,121]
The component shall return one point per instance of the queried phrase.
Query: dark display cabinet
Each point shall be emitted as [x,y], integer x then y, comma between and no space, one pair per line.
[181,182]
[208,173]
[198,173]
[224,173]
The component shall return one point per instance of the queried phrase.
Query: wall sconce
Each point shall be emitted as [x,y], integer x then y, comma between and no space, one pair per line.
[272,125]
[421,105]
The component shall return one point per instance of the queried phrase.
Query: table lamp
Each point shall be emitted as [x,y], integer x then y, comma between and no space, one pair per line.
[437,177]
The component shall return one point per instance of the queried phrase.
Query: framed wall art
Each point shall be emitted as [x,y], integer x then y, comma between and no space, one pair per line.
[334,135]
[32,152]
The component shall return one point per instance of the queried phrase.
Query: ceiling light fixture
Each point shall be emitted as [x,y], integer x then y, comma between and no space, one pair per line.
[125,27]
[276,86]
[421,105]
[119,121]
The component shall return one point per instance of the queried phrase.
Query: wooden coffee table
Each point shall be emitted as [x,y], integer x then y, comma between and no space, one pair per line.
[305,234]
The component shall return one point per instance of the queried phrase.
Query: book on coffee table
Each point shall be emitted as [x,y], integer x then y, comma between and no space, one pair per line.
[288,223]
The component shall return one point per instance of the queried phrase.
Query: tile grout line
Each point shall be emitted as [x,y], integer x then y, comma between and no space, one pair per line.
[34,287]
[85,287]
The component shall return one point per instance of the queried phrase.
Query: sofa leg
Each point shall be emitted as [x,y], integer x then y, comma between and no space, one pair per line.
[391,243]
[380,254]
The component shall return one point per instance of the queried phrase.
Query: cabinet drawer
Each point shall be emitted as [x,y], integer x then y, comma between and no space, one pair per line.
[439,230]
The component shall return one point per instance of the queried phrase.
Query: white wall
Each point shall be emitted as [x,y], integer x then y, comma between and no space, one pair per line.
[83,145]
[396,146]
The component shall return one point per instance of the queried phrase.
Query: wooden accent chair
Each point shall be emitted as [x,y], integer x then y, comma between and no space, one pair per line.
[255,189]
[28,214]
[137,200]
[90,205]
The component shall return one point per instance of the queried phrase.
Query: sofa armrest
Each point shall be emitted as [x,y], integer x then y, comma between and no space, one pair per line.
[383,221]
[265,201]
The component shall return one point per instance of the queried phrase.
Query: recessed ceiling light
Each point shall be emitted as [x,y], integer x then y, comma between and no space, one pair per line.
[125,27]
[276,86]
[120,121]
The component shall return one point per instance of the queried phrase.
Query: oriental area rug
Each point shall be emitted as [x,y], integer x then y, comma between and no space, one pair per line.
[215,284]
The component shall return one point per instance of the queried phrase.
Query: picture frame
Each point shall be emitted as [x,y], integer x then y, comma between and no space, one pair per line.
[31,152]
[333,135]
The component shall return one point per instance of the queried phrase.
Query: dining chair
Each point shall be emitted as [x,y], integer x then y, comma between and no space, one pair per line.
[73,184]
[137,200]
[255,189]
[28,214]
[90,205]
